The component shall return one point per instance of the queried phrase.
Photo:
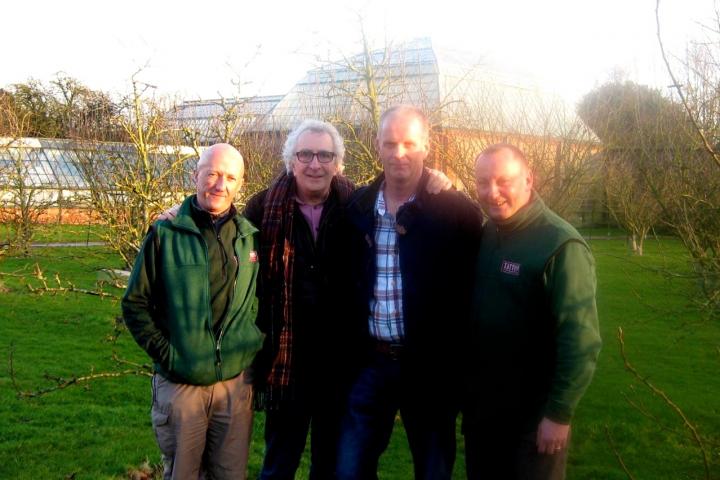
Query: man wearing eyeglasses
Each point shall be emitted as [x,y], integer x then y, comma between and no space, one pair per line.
[298,377]
[411,258]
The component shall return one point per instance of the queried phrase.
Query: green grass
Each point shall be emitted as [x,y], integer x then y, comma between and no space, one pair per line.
[609,231]
[101,430]
[669,342]
[54,233]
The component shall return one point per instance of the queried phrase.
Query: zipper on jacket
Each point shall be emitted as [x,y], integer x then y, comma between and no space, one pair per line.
[218,350]
[218,357]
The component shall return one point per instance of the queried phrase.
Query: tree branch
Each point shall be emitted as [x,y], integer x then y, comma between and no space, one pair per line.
[673,406]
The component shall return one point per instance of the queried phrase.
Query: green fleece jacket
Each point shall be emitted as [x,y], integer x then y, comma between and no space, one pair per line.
[168,305]
[534,330]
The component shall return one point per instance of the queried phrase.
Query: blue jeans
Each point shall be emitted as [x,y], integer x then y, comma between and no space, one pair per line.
[286,432]
[380,390]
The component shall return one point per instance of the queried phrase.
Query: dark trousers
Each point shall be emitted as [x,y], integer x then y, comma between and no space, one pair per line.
[317,409]
[375,397]
[493,454]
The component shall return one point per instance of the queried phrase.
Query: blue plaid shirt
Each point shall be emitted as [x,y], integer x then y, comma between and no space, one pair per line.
[386,313]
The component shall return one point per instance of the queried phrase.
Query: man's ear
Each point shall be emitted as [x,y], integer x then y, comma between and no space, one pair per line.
[529,179]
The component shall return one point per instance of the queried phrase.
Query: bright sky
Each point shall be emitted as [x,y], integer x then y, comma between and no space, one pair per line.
[199,49]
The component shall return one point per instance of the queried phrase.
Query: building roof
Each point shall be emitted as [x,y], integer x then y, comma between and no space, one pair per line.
[56,163]
[456,91]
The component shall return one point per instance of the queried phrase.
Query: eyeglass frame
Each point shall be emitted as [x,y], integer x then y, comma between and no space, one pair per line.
[315,155]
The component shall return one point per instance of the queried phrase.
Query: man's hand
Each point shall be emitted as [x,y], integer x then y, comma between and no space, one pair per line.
[551,437]
[170,213]
[437,182]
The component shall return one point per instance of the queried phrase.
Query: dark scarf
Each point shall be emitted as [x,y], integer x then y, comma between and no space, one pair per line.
[278,250]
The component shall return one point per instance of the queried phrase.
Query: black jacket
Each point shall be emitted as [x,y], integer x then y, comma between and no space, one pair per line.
[320,286]
[438,242]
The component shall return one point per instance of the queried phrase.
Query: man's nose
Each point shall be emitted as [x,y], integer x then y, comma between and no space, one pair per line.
[493,190]
[398,151]
[220,183]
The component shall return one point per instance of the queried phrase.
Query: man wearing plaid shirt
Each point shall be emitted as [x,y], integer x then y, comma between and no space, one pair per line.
[411,259]
[386,305]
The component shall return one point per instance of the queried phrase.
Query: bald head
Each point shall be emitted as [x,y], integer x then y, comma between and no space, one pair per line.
[218,177]
[504,181]
[220,149]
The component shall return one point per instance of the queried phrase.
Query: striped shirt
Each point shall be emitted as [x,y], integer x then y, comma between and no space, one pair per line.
[386,313]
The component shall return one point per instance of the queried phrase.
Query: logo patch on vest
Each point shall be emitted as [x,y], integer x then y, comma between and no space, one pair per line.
[253,257]
[510,268]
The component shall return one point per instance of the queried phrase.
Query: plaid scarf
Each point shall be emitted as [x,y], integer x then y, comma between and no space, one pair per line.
[278,251]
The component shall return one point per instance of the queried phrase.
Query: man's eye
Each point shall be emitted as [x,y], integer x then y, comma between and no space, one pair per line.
[324,156]
[305,156]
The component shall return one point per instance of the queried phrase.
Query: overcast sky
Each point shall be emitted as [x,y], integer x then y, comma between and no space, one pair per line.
[201,49]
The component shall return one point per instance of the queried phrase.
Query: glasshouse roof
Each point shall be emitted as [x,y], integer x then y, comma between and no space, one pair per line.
[54,163]
[457,91]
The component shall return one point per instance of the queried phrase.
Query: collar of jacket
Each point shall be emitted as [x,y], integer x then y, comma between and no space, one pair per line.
[523,217]
[365,204]
[184,220]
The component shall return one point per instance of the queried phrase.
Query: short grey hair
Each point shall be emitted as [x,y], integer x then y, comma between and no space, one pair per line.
[315,126]
[408,111]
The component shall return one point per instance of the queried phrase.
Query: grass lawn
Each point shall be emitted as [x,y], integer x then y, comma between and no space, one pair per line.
[102,430]
[54,233]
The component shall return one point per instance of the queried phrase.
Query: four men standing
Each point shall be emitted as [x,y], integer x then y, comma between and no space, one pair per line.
[382,280]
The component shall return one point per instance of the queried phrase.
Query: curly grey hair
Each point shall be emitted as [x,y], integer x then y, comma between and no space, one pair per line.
[316,126]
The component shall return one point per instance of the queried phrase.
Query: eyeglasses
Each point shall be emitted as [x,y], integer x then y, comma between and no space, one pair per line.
[323,156]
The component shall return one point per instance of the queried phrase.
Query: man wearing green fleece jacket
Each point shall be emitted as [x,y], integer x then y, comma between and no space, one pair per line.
[534,330]
[191,305]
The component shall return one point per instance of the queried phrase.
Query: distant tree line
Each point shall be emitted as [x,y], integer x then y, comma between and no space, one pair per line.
[60,108]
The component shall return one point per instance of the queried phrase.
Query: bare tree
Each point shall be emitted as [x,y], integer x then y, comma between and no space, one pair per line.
[360,87]
[640,130]
[129,185]
[559,147]
[629,200]
[238,123]
[693,170]
[23,198]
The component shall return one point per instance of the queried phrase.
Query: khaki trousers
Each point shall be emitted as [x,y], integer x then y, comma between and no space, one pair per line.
[203,431]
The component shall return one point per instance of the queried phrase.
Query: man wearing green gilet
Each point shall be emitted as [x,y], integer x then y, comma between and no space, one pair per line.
[534,329]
